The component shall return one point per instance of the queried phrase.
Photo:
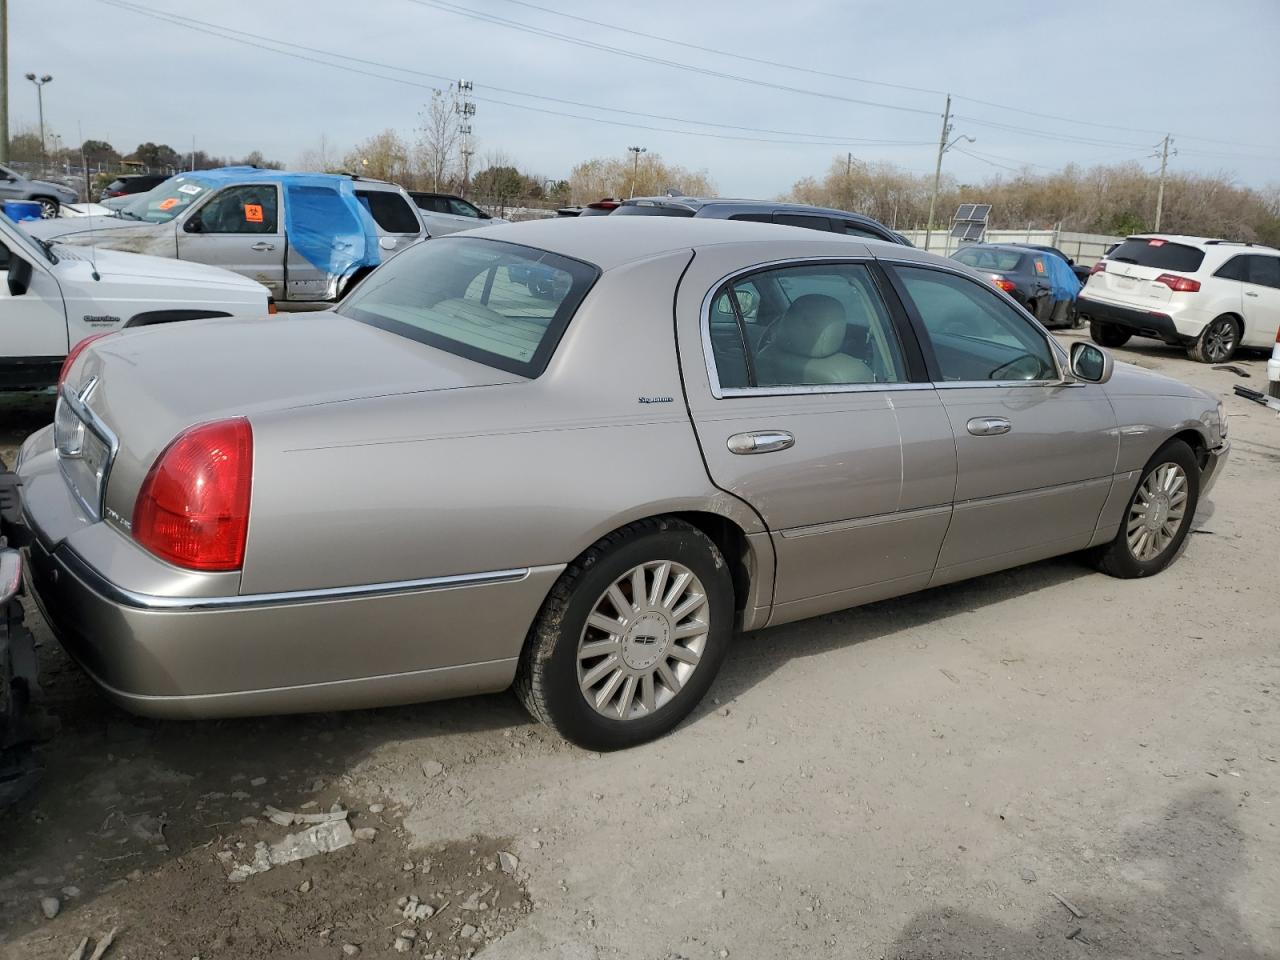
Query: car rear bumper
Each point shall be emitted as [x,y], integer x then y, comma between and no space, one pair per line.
[162,650]
[1142,323]
[215,657]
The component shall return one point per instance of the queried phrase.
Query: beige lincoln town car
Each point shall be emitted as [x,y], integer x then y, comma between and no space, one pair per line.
[576,457]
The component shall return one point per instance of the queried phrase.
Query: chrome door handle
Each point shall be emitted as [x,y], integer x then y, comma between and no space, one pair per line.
[761,441]
[262,245]
[988,426]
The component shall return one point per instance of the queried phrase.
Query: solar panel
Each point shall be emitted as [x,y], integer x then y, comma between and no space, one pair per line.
[981,211]
[974,231]
[959,229]
[965,212]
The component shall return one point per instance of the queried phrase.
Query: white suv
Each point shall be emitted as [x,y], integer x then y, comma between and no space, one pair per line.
[1210,296]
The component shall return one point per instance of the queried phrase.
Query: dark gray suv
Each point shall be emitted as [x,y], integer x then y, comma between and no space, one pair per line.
[762,211]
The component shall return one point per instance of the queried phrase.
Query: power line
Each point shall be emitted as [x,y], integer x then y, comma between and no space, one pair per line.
[274,46]
[646,58]
[848,78]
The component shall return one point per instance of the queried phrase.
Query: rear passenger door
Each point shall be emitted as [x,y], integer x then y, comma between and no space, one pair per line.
[1261,300]
[1035,454]
[810,387]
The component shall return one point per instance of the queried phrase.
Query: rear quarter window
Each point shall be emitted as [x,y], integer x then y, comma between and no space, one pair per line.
[1159,255]
[389,211]
[651,210]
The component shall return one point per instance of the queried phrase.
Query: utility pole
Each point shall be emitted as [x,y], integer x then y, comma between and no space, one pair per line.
[465,108]
[848,165]
[4,81]
[635,166]
[943,146]
[937,170]
[1164,166]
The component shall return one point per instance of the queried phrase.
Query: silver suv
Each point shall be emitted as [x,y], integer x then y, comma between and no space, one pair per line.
[306,237]
[14,186]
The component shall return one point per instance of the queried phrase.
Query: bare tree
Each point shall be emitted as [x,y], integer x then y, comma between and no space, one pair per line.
[438,138]
[613,176]
[320,157]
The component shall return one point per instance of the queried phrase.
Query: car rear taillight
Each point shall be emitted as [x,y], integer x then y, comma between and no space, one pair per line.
[1178,284]
[1099,267]
[1008,286]
[193,508]
[75,352]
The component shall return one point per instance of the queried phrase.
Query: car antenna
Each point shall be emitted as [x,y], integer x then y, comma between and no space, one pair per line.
[88,199]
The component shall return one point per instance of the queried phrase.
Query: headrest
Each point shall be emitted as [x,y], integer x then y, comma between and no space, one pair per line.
[813,326]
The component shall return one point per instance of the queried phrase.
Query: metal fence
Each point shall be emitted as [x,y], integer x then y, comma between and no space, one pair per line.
[1084,248]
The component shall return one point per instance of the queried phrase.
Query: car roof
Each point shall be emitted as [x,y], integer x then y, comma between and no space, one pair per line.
[1206,243]
[610,242]
[1010,247]
[697,203]
[221,176]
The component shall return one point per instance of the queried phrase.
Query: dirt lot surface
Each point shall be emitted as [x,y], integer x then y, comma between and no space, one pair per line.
[1039,763]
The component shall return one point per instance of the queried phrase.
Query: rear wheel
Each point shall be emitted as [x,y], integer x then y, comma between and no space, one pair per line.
[48,208]
[631,636]
[1108,334]
[1158,517]
[1217,342]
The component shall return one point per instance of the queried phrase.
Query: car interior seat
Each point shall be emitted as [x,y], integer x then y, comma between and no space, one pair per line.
[807,346]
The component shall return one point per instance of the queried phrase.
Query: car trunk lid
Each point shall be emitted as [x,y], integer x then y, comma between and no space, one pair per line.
[150,384]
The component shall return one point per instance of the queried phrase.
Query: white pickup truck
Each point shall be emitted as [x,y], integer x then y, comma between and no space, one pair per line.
[52,296]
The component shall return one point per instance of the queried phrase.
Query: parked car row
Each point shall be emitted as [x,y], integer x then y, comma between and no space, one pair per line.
[830,420]
[1038,278]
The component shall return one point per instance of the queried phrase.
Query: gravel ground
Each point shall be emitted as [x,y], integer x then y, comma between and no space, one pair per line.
[1044,762]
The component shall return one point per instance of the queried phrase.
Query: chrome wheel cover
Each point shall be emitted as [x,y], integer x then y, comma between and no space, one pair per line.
[1157,512]
[48,210]
[1220,340]
[645,636]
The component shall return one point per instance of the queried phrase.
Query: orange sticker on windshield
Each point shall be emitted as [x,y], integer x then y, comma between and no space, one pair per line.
[169,204]
[1039,266]
[253,212]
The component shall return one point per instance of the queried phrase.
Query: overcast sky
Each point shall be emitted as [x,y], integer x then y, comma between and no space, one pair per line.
[1208,73]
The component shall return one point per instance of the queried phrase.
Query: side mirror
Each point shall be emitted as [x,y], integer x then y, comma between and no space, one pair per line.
[194,224]
[19,276]
[1089,362]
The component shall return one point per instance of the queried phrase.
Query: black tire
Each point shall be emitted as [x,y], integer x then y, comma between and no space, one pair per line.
[1117,559]
[1217,342]
[547,676]
[1077,320]
[1108,334]
[48,207]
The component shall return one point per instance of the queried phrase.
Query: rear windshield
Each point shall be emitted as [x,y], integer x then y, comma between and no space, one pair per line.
[985,258]
[1158,254]
[496,303]
[651,210]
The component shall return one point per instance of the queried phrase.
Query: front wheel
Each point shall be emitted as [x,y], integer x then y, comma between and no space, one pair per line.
[631,636]
[1158,517]
[48,208]
[1108,334]
[1217,342]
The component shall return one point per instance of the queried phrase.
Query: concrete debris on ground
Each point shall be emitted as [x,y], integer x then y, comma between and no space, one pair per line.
[508,861]
[322,838]
[366,833]
[286,818]
[50,906]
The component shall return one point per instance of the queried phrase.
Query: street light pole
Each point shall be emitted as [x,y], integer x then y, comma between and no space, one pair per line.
[40,82]
[635,166]
[4,81]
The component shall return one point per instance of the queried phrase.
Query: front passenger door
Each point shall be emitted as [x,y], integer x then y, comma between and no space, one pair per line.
[239,228]
[1035,454]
